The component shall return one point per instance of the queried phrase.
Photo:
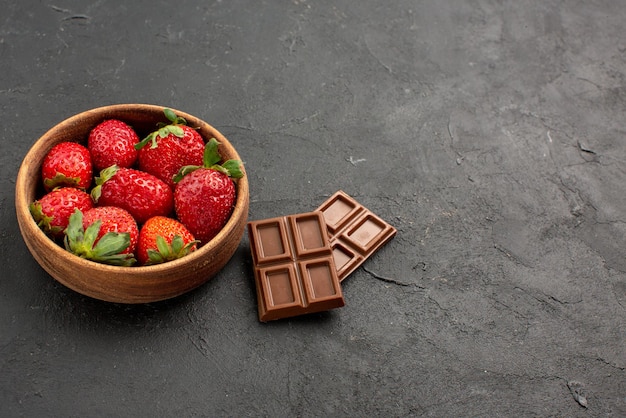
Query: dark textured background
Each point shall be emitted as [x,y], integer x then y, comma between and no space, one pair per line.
[489,133]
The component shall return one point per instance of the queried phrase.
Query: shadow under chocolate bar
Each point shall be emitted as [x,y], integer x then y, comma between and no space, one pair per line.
[294,268]
[355,232]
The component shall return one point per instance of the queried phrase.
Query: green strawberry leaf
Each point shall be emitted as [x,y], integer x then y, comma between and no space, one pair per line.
[177,244]
[212,157]
[164,130]
[211,154]
[122,260]
[154,257]
[167,252]
[174,130]
[150,138]
[78,240]
[43,221]
[74,231]
[60,179]
[162,245]
[105,174]
[108,249]
[184,170]
[90,235]
[233,168]
[111,243]
[172,117]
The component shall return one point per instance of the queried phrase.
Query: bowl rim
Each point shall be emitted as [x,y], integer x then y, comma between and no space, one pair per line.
[29,165]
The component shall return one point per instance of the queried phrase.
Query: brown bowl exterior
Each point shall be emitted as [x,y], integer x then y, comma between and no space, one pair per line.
[125,284]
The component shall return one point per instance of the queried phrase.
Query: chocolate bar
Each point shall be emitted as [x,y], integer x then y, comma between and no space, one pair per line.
[355,232]
[294,267]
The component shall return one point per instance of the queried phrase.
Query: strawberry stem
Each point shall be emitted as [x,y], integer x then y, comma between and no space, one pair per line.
[211,159]
[164,130]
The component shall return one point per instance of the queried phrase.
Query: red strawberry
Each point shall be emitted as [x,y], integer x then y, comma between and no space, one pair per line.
[105,234]
[53,210]
[67,164]
[204,196]
[171,147]
[140,193]
[163,239]
[112,142]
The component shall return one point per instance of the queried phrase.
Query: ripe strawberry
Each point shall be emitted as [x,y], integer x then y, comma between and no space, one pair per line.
[204,196]
[140,193]
[53,210]
[105,234]
[67,164]
[112,142]
[171,147]
[163,239]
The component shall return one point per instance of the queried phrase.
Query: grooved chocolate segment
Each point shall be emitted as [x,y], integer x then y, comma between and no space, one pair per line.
[309,234]
[271,243]
[338,210]
[294,267]
[355,232]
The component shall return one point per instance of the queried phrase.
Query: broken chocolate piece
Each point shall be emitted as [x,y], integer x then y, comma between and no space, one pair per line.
[355,232]
[294,268]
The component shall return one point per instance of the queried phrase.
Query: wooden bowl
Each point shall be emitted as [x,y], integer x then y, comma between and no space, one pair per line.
[125,284]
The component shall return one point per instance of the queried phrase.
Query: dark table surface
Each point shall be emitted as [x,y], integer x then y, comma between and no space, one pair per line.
[490,134]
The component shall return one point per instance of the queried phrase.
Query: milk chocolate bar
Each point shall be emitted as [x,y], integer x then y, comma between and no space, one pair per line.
[355,232]
[294,267]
